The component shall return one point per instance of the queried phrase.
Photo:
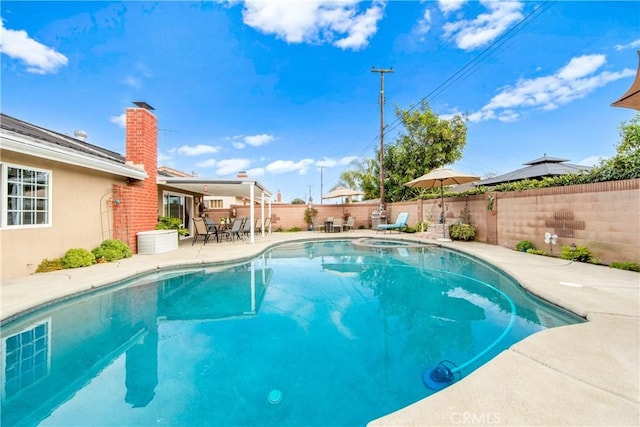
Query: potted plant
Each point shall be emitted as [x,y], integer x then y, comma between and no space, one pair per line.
[309,214]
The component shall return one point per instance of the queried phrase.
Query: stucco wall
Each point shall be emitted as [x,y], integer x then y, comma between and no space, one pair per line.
[81,217]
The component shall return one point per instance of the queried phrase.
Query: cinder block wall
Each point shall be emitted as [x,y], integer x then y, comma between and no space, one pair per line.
[604,217]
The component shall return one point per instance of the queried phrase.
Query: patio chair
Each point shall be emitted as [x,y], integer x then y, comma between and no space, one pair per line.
[337,224]
[399,225]
[246,228]
[317,226]
[200,229]
[236,229]
[212,228]
[350,224]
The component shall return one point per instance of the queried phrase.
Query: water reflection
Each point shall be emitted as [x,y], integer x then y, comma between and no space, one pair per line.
[50,355]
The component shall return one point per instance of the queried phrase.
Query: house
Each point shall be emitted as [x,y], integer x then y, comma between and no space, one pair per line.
[539,168]
[59,192]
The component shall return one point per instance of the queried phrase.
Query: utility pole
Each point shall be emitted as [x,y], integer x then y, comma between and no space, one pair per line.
[382,72]
[321,186]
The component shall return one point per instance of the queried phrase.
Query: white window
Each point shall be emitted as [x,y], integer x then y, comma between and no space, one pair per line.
[26,196]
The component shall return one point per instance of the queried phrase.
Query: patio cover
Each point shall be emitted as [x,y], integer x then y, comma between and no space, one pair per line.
[245,188]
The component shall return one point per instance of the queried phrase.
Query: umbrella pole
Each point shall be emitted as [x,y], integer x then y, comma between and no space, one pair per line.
[444,234]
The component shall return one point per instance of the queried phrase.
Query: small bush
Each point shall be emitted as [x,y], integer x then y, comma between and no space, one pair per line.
[630,266]
[524,245]
[172,223]
[462,232]
[78,257]
[112,250]
[50,265]
[536,252]
[292,229]
[576,253]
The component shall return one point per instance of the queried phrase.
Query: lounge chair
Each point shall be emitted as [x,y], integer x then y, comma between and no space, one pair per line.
[399,225]
[201,229]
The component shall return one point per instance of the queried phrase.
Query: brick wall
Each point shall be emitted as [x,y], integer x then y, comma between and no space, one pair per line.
[135,206]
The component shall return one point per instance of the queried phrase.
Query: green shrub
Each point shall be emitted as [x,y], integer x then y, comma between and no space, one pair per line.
[524,245]
[172,223]
[78,257]
[112,250]
[50,265]
[536,252]
[576,253]
[630,266]
[462,232]
[292,229]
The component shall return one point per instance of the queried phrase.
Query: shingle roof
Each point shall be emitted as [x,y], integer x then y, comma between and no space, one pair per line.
[539,168]
[58,139]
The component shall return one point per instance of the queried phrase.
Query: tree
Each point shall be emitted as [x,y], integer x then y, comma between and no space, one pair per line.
[428,143]
[297,201]
[365,177]
[626,163]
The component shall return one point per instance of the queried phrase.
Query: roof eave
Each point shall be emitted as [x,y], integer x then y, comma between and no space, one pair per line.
[24,145]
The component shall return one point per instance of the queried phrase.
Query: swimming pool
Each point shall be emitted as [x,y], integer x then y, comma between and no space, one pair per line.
[315,333]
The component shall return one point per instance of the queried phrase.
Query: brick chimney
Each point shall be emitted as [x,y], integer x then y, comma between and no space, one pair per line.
[137,209]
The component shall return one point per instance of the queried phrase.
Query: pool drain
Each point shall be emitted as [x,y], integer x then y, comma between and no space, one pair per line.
[274,397]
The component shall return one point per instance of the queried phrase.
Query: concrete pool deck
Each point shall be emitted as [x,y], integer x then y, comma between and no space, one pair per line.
[585,374]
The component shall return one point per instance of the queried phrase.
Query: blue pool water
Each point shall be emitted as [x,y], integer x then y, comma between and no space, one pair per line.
[313,334]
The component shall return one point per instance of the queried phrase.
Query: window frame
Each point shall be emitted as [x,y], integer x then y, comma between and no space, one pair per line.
[4,196]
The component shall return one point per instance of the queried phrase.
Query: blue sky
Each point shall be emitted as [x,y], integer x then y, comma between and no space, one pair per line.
[284,90]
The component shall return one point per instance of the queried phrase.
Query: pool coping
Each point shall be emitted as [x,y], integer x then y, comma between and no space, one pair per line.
[586,374]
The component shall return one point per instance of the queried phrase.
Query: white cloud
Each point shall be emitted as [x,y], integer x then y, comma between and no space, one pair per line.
[195,150]
[447,6]
[591,161]
[255,172]
[486,27]
[633,45]
[232,166]
[341,23]
[163,158]
[132,81]
[135,79]
[39,58]
[284,166]
[241,141]
[573,81]
[326,163]
[259,140]
[423,26]
[210,163]
[348,160]
[120,120]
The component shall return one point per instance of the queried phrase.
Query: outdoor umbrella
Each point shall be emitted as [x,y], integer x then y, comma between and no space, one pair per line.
[442,176]
[342,192]
[631,98]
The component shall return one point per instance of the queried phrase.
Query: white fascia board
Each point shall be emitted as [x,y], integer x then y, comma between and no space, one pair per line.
[20,144]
